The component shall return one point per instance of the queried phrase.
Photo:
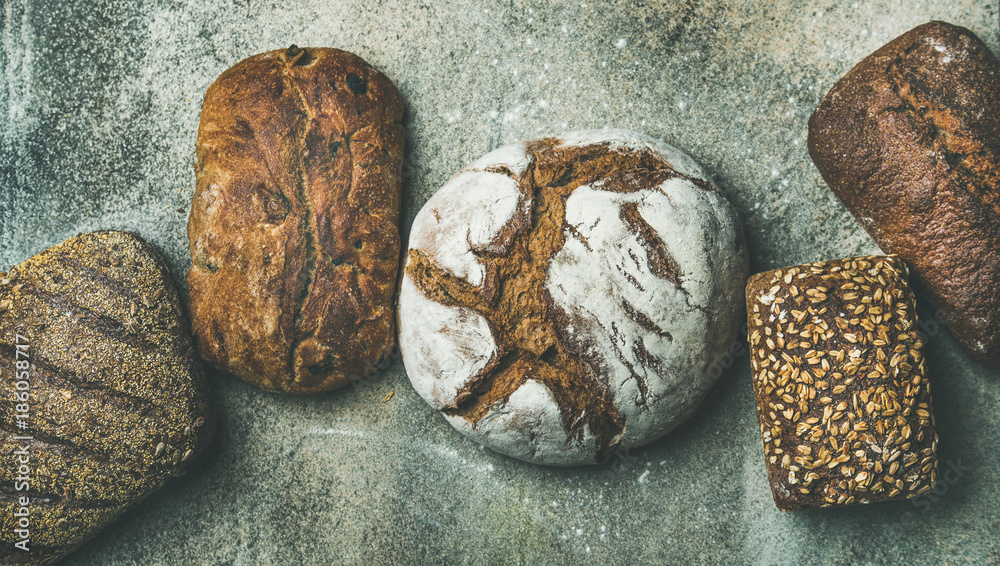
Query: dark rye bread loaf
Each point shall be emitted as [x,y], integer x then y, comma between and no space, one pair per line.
[566,297]
[293,229]
[117,399]
[838,371]
[910,141]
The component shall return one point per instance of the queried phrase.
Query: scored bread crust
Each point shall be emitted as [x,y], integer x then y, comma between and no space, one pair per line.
[909,139]
[565,298]
[118,402]
[294,224]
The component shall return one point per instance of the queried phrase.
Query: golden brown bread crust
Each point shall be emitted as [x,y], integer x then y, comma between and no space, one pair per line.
[118,401]
[910,141]
[294,226]
[842,395]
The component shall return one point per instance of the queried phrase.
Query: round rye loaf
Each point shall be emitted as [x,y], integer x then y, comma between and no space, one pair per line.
[565,298]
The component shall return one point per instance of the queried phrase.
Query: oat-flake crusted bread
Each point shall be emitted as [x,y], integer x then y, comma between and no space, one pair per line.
[293,228]
[909,139]
[566,297]
[843,400]
[117,400]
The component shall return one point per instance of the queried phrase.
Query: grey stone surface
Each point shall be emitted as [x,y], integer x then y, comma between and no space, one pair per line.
[100,103]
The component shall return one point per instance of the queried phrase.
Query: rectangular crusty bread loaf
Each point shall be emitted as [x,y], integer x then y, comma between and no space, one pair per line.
[842,394]
[910,141]
[293,228]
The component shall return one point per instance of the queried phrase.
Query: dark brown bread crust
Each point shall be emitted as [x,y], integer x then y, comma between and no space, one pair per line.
[294,225]
[910,141]
[118,399]
[842,394]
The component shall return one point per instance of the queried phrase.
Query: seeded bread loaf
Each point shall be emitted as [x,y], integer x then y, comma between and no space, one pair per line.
[910,141]
[843,400]
[564,298]
[293,228]
[116,401]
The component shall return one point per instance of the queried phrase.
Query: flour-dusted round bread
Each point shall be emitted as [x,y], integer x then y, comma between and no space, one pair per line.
[109,399]
[565,297]
[294,224]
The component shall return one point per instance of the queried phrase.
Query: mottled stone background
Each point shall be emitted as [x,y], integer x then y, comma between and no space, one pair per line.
[100,103]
